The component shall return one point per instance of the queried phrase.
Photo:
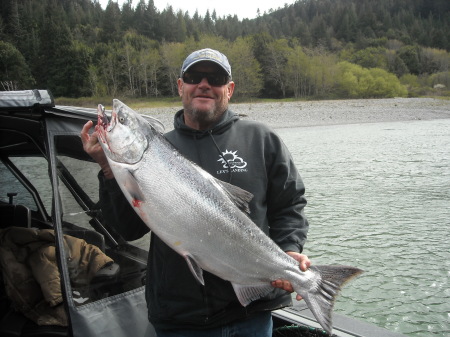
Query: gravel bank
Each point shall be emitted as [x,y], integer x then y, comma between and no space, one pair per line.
[313,113]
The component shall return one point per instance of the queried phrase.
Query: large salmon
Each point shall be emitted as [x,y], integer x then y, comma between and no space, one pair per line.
[204,219]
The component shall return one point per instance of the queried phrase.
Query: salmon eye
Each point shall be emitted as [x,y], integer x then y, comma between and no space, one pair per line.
[121,117]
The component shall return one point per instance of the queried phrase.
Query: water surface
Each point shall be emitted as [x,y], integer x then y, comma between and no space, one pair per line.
[379,199]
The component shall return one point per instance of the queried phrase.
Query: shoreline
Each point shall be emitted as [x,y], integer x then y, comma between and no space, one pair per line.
[328,112]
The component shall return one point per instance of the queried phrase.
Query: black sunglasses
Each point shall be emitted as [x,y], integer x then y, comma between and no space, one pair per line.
[214,79]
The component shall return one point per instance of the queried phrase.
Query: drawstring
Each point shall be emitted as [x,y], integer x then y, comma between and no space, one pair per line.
[230,174]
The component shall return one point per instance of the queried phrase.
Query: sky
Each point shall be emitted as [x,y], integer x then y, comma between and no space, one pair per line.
[242,8]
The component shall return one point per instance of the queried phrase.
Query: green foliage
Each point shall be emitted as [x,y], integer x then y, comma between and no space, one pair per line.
[370,57]
[312,48]
[172,55]
[441,80]
[323,72]
[14,71]
[355,81]
[298,74]
[246,70]
[437,84]
[433,60]
[410,56]
[78,74]
[410,81]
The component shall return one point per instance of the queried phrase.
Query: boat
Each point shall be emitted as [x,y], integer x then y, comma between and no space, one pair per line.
[49,188]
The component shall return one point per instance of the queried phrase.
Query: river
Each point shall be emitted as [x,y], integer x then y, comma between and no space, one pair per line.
[379,199]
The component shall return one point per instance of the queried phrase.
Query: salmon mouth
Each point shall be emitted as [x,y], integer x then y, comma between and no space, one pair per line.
[104,124]
[102,121]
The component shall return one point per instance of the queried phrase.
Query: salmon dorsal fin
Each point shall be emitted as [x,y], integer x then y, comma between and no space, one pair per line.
[238,196]
[155,124]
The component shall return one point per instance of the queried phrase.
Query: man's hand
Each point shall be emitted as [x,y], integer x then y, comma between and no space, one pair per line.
[304,264]
[94,149]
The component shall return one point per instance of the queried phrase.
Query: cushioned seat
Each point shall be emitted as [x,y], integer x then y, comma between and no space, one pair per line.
[14,215]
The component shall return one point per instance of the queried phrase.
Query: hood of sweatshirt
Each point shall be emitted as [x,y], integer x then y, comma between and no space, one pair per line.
[226,121]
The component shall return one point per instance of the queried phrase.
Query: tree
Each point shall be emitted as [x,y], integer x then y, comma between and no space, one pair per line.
[410,81]
[245,68]
[170,25]
[410,56]
[355,81]
[297,72]
[110,63]
[172,56]
[209,41]
[395,64]
[209,23]
[371,57]
[149,69]
[346,24]
[433,60]
[322,71]
[277,58]
[52,67]
[128,67]
[140,62]
[111,23]
[78,75]
[272,55]
[319,31]
[14,27]
[127,15]
[14,71]
[63,42]
[147,20]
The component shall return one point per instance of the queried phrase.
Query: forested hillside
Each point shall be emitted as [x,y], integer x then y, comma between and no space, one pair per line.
[313,48]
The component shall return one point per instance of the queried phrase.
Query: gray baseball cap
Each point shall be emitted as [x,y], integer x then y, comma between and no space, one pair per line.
[206,54]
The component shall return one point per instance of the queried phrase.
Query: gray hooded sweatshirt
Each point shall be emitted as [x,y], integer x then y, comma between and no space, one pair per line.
[247,154]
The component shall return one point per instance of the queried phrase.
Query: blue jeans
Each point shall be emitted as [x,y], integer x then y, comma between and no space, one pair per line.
[260,325]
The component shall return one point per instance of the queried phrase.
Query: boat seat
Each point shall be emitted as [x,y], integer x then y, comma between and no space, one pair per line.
[15,324]
[14,215]
[90,236]
[105,280]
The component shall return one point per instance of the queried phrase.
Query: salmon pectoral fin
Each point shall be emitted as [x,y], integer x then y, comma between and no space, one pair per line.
[195,268]
[132,187]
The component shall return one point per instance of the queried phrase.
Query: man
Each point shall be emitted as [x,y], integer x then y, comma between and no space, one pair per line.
[244,153]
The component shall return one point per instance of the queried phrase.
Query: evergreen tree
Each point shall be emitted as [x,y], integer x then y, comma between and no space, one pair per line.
[74,47]
[77,82]
[110,24]
[14,72]
[409,55]
[54,58]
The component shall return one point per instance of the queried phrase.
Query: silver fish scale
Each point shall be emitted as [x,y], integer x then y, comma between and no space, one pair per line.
[189,210]
[196,217]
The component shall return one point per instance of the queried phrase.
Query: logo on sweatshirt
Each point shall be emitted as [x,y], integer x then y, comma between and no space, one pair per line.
[230,160]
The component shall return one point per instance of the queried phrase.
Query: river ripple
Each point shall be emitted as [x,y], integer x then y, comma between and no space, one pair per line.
[378,198]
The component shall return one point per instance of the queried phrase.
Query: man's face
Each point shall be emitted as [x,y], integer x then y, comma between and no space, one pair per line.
[204,103]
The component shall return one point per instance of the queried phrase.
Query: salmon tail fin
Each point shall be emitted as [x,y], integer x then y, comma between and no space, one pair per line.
[320,298]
